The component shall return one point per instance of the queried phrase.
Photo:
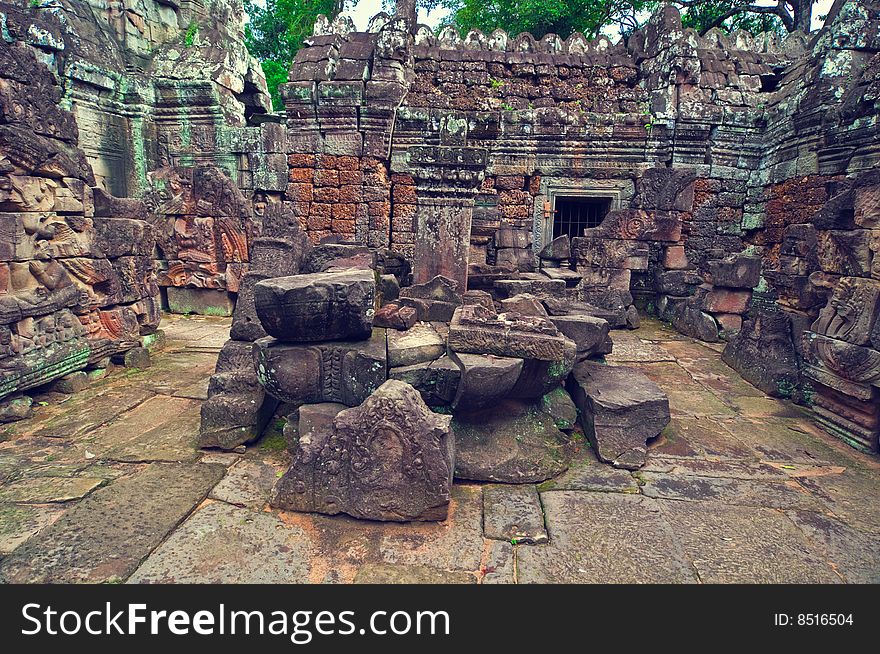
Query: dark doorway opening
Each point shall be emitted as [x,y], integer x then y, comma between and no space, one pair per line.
[574,214]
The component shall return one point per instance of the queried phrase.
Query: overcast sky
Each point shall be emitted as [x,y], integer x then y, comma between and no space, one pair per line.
[364,10]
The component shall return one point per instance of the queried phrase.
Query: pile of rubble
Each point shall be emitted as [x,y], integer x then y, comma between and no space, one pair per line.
[388,392]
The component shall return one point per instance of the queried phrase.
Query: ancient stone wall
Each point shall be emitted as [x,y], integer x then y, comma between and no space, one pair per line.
[155,84]
[77,285]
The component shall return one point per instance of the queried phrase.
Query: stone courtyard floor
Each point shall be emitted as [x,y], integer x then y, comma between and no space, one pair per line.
[108,486]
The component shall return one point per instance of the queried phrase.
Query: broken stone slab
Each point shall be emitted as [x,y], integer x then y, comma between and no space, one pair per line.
[620,410]
[484,276]
[688,319]
[388,288]
[536,284]
[510,442]
[616,317]
[485,379]
[419,344]
[558,249]
[391,458]
[437,381]
[337,255]
[337,371]
[246,325]
[435,300]
[763,352]
[237,409]
[70,384]
[394,316]
[539,377]
[309,420]
[558,405]
[109,533]
[513,513]
[476,330]
[13,409]
[524,304]
[736,271]
[570,277]
[317,307]
[247,483]
[137,358]
[589,334]
[483,298]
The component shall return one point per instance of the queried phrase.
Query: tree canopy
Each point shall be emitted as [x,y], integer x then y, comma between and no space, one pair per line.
[275,32]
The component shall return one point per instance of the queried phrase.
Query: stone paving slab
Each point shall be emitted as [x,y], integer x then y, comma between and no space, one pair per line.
[603,538]
[47,490]
[736,544]
[588,474]
[247,483]
[172,438]
[698,467]
[739,492]
[513,513]
[853,554]
[81,413]
[162,429]
[221,543]
[18,522]
[373,573]
[342,545]
[630,348]
[105,537]
[499,563]
[704,436]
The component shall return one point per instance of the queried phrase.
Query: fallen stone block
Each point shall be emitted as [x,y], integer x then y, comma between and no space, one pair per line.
[437,381]
[510,442]
[339,371]
[391,458]
[589,334]
[621,409]
[558,249]
[435,300]
[688,319]
[394,316]
[484,379]
[418,344]
[317,307]
[476,330]
[525,304]
[737,271]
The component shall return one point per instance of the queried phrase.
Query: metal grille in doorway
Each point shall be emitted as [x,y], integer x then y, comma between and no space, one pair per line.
[575,214]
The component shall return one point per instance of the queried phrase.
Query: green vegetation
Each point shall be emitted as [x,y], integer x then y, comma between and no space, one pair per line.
[275,32]
[191,32]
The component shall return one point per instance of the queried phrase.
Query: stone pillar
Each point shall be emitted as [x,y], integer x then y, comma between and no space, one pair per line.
[447,180]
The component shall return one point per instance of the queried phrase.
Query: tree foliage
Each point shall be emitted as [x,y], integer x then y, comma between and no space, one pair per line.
[277,30]
[540,17]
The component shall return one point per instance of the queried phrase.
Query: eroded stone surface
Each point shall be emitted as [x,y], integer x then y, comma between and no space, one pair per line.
[604,538]
[104,537]
[390,458]
[513,513]
[511,442]
[620,410]
[222,544]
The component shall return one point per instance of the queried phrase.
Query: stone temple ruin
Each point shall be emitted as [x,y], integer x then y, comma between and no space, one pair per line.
[424,254]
